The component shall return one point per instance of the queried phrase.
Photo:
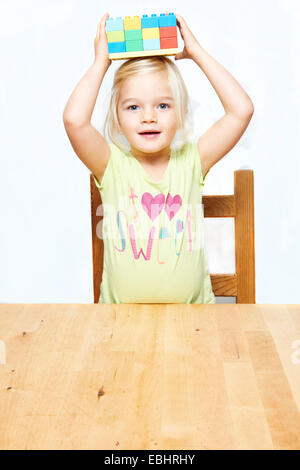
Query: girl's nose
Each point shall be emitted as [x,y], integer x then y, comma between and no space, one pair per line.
[149,116]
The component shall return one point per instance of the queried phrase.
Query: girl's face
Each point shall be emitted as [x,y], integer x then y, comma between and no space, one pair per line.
[146,104]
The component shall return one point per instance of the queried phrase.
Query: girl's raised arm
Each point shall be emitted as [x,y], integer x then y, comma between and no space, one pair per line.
[87,142]
[226,132]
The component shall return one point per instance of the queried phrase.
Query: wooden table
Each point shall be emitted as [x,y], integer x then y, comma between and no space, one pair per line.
[137,376]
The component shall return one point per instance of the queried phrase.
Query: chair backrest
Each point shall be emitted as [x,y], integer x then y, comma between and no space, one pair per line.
[239,205]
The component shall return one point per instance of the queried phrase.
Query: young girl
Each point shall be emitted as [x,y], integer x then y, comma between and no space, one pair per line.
[151,191]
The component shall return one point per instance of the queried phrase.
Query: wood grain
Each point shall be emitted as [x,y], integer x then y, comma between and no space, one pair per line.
[137,376]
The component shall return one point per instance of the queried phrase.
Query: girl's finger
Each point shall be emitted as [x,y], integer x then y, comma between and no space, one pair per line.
[181,21]
[103,21]
[98,29]
[101,24]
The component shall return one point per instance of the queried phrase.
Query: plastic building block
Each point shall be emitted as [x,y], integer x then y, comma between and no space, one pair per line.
[151,44]
[150,22]
[140,37]
[114,25]
[116,47]
[134,45]
[134,23]
[167,20]
[168,43]
[150,33]
[168,32]
[115,36]
[132,34]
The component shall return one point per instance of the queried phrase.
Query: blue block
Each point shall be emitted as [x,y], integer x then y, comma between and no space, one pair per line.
[151,44]
[116,47]
[114,25]
[167,20]
[150,22]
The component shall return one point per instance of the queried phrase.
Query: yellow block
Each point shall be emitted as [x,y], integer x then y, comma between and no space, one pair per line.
[150,33]
[115,36]
[132,23]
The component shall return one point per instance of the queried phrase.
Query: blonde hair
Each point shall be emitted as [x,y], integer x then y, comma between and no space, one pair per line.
[141,66]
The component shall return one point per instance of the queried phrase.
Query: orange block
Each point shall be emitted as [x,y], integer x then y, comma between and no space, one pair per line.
[168,43]
[168,32]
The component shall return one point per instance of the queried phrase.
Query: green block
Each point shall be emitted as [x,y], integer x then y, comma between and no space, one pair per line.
[134,45]
[133,34]
[115,36]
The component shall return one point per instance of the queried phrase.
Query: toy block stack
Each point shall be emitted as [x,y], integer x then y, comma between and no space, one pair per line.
[141,37]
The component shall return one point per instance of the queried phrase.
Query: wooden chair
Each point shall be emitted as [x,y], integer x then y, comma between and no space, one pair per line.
[240,205]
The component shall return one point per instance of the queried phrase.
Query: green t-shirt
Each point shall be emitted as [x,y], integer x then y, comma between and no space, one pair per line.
[153,231]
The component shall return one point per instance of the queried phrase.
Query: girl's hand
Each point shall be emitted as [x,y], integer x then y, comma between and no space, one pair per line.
[190,42]
[100,42]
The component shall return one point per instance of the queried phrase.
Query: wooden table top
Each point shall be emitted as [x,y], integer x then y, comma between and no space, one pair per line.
[160,376]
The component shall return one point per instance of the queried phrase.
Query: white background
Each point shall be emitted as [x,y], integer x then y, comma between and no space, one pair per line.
[47,46]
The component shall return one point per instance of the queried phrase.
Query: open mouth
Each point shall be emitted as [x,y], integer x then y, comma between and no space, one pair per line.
[150,134]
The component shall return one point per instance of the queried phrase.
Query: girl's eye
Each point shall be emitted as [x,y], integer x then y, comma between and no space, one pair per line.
[135,106]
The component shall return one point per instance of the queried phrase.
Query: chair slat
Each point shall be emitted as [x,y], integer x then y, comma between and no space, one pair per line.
[97,238]
[244,236]
[219,206]
[224,285]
